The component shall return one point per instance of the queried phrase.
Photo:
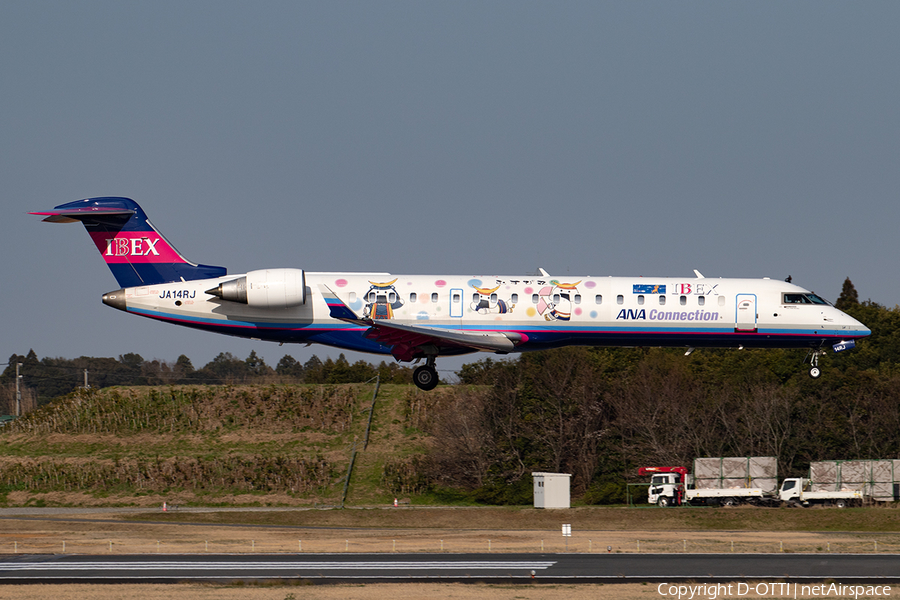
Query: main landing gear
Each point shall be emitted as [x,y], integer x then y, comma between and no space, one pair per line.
[426,377]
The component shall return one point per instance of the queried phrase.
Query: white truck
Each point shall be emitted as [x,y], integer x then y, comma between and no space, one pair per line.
[877,480]
[672,486]
[796,491]
[669,486]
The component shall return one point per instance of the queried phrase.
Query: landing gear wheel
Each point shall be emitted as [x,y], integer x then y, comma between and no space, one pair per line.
[813,358]
[425,377]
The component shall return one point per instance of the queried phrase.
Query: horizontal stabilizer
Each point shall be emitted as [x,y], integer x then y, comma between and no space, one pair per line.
[76,215]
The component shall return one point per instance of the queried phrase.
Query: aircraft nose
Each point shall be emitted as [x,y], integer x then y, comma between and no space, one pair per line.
[855,326]
[115,299]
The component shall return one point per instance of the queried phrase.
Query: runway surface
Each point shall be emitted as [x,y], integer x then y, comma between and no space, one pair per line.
[556,568]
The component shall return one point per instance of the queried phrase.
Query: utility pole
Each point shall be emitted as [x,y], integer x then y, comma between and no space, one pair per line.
[86,386]
[18,391]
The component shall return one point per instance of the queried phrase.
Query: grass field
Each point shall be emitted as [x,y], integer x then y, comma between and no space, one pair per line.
[411,591]
[872,519]
[225,445]
[433,530]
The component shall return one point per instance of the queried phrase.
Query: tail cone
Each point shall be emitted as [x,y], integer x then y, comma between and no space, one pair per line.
[115,299]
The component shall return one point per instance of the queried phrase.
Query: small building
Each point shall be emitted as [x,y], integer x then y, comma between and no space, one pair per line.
[551,490]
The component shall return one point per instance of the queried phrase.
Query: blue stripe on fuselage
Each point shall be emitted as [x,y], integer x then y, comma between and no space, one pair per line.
[350,337]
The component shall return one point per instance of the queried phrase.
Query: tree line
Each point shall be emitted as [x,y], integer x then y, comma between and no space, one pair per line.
[48,378]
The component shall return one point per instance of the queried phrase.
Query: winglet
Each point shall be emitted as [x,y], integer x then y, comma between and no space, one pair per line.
[338,309]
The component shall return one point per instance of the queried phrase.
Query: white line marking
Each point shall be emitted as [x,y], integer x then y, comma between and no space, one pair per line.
[304,566]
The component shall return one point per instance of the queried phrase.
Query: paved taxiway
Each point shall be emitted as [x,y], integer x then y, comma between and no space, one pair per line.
[445,567]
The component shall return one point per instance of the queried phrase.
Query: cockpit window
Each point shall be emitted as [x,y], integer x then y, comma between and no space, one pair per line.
[803,299]
[795,299]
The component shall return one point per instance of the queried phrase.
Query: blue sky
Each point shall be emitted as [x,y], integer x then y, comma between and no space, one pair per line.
[588,138]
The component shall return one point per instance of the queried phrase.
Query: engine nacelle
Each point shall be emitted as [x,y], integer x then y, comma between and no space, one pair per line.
[266,288]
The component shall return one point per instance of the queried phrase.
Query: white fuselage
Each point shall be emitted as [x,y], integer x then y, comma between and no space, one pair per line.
[546,312]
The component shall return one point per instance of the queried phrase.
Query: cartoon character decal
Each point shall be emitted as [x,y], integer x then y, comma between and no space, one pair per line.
[556,300]
[488,302]
[382,300]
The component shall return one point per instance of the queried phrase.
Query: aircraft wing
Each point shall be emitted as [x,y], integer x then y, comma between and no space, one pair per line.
[405,339]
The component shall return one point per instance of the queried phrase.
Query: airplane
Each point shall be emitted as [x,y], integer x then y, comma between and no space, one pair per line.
[426,316]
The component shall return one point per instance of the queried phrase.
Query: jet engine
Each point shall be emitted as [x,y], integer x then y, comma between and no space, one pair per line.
[266,288]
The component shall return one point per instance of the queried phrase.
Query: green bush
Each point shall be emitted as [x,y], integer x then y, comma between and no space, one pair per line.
[502,493]
[605,492]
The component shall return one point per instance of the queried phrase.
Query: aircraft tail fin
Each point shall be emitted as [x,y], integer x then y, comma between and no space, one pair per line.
[136,253]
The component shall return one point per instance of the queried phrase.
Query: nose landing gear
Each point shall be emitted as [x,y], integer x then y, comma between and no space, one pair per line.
[813,358]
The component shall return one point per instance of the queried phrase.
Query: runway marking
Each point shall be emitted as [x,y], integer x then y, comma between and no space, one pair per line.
[305,566]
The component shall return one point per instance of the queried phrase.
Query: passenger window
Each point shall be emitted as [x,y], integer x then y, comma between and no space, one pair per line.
[475,297]
[683,300]
[412,296]
[721,300]
[434,297]
[598,299]
[352,296]
[641,299]
[620,299]
[534,298]
[556,298]
[457,298]
[392,297]
[662,300]
[370,297]
[494,298]
[701,300]
[577,298]
[514,298]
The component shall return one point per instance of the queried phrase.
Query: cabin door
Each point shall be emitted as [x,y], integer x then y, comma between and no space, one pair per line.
[456,303]
[745,320]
